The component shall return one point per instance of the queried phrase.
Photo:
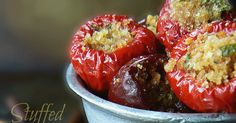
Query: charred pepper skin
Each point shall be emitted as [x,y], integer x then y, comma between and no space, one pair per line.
[96,67]
[216,98]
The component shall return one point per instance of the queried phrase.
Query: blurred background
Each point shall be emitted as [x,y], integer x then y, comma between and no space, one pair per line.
[34,40]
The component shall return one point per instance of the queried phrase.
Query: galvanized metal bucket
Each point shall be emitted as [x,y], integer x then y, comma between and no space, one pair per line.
[99,110]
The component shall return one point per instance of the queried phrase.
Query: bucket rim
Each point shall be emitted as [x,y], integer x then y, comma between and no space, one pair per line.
[75,84]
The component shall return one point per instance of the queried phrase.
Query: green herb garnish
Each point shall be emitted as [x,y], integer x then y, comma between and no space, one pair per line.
[223,5]
[228,50]
[216,7]
[187,60]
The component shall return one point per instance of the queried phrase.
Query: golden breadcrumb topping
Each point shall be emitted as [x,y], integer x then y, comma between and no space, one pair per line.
[211,58]
[193,13]
[156,78]
[151,22]
[110,37]
[170,65]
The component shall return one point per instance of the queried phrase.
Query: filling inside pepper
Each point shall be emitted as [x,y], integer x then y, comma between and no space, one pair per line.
[153,85]
[149,74]
[193,13]
[211,58]
[151,22]
[109,37]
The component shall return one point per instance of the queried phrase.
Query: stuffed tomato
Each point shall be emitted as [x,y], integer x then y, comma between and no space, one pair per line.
[202,68]
[179,17]
[104,44]
[140,83]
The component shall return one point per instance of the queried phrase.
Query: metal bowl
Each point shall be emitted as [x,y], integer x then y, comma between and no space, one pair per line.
[99,110]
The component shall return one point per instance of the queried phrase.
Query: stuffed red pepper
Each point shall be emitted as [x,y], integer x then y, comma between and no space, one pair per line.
[202,68]
[179,17]
[104,44]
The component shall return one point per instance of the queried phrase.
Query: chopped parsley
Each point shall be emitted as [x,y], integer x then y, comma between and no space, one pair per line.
[187,60]
[228,50]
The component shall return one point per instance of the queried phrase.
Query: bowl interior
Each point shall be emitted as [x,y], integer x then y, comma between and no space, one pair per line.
[75,83]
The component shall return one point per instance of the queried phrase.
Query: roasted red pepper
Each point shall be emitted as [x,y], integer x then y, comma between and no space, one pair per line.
[191,90]
[97,67]
[169,27]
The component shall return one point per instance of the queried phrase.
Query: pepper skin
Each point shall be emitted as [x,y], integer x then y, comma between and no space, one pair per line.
[216,98]
[97,67]
[169,31]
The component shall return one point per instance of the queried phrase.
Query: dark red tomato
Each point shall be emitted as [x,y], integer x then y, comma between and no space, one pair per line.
[216,98]
[141,84]
[170,30]
[97,67]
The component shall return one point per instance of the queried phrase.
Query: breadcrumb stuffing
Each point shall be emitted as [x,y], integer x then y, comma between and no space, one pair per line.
[205,84]
[206,61]
[193,13]
[156,77]
[151,22]
[110,37]
[139,66]
[170,65]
